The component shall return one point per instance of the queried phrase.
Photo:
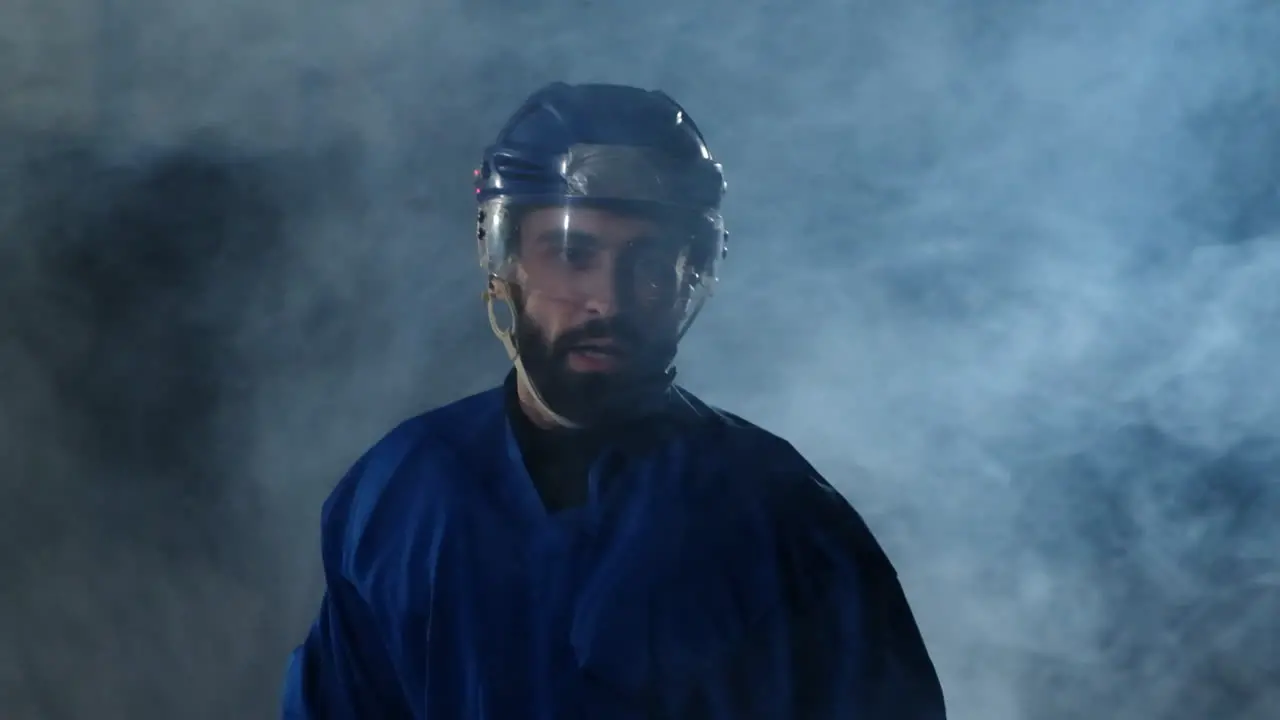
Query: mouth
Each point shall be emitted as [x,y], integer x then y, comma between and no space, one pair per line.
[596,357]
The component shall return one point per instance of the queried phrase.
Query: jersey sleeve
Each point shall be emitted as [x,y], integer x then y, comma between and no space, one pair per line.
[342,671]
[854,639]
[841,645]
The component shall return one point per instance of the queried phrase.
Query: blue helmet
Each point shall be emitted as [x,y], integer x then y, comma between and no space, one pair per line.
[614,147]
[558,122]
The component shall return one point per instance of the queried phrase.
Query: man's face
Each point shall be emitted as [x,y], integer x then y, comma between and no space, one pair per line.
[599,297]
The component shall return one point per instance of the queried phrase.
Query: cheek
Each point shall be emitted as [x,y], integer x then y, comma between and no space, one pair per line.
[542,316]
[551,316]
[659,321]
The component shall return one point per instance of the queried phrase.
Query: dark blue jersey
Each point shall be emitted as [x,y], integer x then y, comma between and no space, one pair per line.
[711,574]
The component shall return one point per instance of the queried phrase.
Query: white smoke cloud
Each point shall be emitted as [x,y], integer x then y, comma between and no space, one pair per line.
[1002,270]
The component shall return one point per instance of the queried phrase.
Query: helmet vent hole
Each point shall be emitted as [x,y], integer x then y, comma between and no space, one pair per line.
[516,169]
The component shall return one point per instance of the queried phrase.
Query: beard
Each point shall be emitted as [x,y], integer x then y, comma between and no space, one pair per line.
[637,386]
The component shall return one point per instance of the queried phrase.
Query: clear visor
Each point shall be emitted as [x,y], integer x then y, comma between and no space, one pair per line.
[658,263]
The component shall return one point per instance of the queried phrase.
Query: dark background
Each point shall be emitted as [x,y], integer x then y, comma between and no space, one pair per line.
[1008,272]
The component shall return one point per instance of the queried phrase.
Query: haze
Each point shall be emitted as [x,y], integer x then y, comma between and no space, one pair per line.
[1008,272]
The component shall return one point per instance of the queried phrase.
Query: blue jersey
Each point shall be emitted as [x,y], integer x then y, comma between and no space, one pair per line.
[711,574]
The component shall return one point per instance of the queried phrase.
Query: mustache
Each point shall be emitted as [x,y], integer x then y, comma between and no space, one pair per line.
[622,333]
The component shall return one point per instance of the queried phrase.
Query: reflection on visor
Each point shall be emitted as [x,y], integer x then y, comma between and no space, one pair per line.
[647,262]
[585,255]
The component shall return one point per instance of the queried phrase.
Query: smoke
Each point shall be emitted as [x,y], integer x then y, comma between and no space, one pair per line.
[1003,270]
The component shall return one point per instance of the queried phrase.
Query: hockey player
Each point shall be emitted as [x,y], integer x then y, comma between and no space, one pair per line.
[589,541]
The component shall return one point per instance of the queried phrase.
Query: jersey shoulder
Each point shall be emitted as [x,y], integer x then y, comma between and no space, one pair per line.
[384,496]
[809,515]
[747,446]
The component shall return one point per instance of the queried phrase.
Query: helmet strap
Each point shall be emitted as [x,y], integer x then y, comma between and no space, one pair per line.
[506,335]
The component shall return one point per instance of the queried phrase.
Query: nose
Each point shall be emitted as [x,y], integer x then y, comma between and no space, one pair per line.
[601,296]
[601,304]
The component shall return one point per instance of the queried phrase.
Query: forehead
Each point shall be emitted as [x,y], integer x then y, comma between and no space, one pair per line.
[605,226]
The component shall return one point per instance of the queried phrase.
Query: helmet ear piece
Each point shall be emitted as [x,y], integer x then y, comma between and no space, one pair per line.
[498,290]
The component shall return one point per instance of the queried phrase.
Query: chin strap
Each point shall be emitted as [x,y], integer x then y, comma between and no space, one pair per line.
[507,337]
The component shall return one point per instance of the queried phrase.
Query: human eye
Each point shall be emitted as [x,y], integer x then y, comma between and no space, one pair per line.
[579,252]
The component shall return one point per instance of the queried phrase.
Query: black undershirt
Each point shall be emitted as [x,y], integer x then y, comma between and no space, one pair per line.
[558,460]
